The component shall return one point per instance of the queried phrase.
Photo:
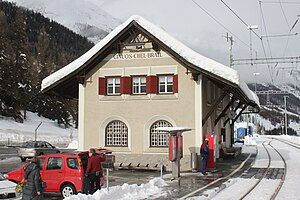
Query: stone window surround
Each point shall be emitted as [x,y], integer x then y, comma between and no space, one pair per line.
[146,136]
[103,125]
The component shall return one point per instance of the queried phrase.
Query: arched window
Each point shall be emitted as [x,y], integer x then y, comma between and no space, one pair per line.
[159,138]
[116,134]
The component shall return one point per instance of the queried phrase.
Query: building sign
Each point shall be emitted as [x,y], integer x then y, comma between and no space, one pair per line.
[136,55]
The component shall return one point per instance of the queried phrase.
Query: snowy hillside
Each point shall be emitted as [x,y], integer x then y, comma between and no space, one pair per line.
[11,131]
[83,17]
[271,117]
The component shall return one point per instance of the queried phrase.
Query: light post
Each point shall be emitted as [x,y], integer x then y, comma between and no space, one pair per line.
[285,115]
[35,131]
[255,79]
[251,28]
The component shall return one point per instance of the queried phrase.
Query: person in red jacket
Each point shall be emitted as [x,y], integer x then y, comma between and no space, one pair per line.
[94,170]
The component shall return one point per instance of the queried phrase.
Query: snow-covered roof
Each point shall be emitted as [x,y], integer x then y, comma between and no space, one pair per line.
[185,52]
[249,93]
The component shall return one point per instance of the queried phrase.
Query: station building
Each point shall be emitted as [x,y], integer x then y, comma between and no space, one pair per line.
[139,78]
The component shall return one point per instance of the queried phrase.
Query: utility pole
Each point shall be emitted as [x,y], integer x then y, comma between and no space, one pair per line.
[230,39]
[285,115]
[251,28]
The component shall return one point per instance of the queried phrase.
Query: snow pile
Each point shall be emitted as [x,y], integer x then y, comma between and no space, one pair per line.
[49,130]
[152,189]
[249,140]
[266,123]
[73,144]
[295,126]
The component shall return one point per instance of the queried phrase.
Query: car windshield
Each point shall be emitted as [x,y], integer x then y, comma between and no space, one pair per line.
[2,177]
[28,145]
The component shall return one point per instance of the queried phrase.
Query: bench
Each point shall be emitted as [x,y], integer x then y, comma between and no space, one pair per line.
[230,152]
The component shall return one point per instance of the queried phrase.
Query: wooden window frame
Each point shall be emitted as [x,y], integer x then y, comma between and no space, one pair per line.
[114,86]
[166,83]
[108,145]
[161,132]
[139,86]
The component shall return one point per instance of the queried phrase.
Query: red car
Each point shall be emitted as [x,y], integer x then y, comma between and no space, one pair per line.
[62,172]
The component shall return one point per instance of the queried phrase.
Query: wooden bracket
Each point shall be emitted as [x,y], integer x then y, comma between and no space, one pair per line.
[215,105]
[236,117]
[235,109]
[222,114]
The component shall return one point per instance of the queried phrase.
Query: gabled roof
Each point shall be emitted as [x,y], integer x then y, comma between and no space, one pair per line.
[203,63]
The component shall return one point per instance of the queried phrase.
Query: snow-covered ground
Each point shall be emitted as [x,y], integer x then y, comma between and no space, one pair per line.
[151,190]
[11,131]
[290,138]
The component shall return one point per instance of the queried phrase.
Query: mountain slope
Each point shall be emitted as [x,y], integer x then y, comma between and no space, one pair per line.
[273,116]
[31,48]
[81,16]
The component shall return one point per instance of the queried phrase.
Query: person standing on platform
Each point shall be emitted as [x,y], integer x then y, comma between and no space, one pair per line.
[204,151]
[94,170]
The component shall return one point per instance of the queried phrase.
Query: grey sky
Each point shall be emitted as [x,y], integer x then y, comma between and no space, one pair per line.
[189,24]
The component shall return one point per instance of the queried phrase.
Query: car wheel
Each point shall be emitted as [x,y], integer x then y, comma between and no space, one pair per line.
[23,159]
[67,190]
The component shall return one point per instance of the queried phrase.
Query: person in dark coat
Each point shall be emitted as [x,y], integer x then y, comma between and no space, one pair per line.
[94,170]
[33,186]
[204,151]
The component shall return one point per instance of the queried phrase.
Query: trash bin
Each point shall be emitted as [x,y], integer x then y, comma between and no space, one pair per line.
[194,161]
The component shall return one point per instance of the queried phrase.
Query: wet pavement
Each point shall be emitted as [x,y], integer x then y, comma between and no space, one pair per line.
[194,181]
[188,183]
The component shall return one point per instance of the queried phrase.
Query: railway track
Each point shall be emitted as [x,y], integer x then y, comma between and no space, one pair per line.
[265,173]
[274,194]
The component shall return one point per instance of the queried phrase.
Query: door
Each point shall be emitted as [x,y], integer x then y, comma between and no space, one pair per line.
[53,174]
[211,143]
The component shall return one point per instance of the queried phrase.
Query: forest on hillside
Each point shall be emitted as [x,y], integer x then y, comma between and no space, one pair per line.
[31,48]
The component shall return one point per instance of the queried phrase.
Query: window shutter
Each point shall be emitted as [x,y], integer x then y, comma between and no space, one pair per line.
[125,85]
[102,86]
[151,85]
[175,83]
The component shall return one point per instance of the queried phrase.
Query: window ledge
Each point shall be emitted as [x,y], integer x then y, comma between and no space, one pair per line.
[111,98]
[137,97]
[165,96]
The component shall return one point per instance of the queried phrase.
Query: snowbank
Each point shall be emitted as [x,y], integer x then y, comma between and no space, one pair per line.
[152,189]
[291,138]
[49,130]
[73,144]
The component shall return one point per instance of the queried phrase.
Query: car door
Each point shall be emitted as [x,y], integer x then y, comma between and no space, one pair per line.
[53,174]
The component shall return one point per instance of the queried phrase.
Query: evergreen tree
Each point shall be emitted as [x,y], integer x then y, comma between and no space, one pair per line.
[31,48]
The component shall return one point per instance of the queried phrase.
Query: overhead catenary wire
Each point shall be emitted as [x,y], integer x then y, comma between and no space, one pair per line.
[240,18]
[218,22]
[281,7]
[271,72]
[259,37]
[284,2]
[279,35]
[265,28]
